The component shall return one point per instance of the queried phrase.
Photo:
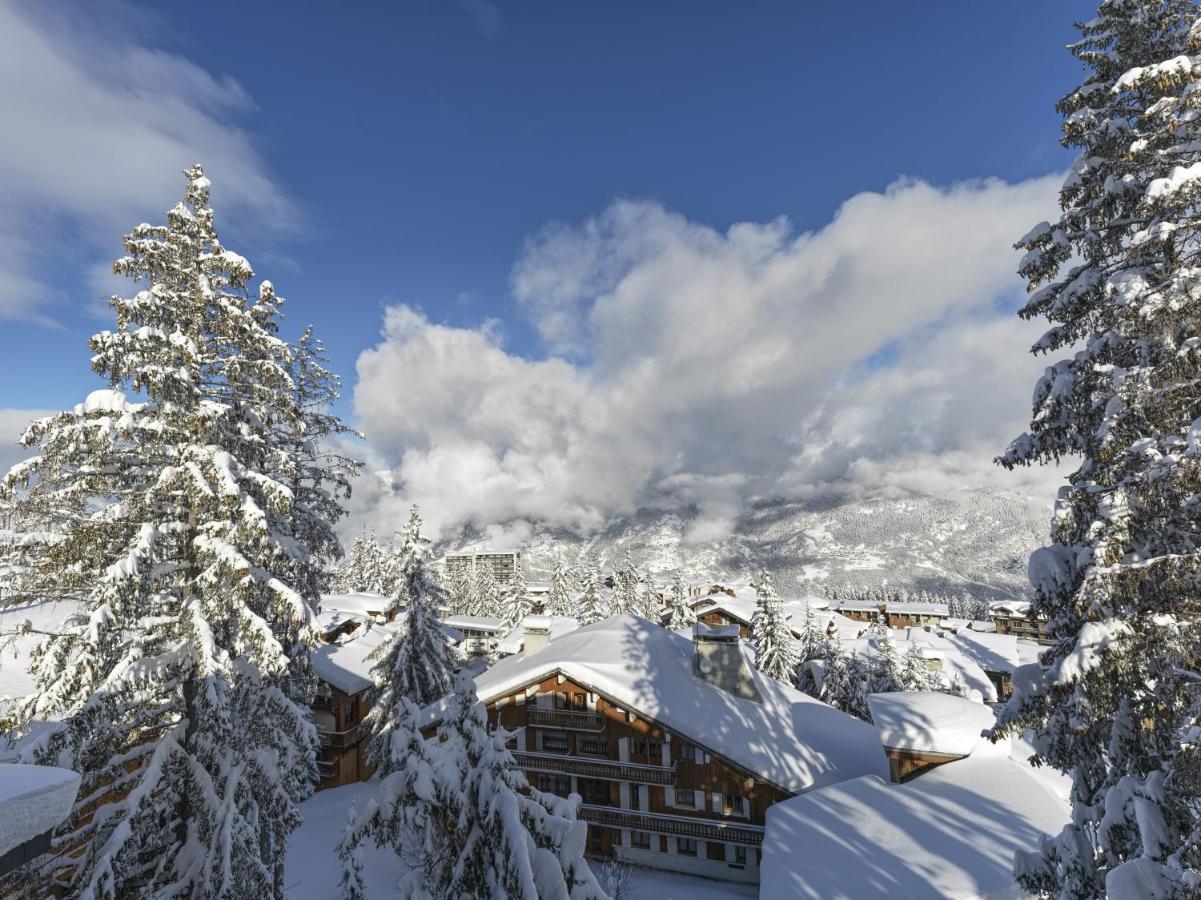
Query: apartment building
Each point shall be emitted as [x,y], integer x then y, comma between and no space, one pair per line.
[502,563]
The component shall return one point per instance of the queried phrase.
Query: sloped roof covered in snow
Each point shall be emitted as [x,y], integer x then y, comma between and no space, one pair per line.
[951,833]
[929,721]
[992,652]
[476,623]
[33,800]
[788,739]
[514,641]
[957,666]
[347,666]
[741,608]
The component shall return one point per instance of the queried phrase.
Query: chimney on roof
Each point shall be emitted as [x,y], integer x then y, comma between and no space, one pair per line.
[535,634]
[717,659]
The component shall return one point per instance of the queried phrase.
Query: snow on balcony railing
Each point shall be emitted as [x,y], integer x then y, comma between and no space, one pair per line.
[680,826]
[608,770]
[571,719]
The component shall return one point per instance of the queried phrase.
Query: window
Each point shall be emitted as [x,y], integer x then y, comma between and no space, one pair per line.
[685,846]
[733,804]
[635,796]
[684,797]
[640,839]
[740,855]
[554,742]
[555,784]
[654,751]
[594,746]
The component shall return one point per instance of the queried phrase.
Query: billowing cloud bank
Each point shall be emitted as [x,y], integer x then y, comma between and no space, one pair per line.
[694,366]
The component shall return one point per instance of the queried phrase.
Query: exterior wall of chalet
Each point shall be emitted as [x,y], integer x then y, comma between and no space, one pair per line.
[717,618]
[1033,628]
[342,758]
[650,796]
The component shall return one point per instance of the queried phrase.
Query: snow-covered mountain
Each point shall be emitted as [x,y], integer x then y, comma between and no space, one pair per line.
[977,541]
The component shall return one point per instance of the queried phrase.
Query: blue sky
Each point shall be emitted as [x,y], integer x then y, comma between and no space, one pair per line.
[406,153]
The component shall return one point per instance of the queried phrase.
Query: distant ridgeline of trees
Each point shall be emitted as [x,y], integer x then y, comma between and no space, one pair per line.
[960,606]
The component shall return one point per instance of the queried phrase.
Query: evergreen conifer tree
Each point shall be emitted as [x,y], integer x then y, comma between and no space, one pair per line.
[591,606]
[514,600]
[1116,277]
[682,615]
[561,598]
[775,646]
[174,685]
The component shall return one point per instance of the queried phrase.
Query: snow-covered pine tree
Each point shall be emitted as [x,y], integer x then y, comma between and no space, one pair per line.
[366,567]
[560,601]
[418,664]
[510,840]
[887,674]
[682,615]
[775,646]
[591,605]
[915,674]
[458,591]
[625,589]
[485,591]
[514,600]
[168,685]
[321,483]
[1116,276]
[412,543]
[844,681]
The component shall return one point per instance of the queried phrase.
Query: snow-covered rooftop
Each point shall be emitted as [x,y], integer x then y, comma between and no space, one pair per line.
[788,738]
[929,721]
[514,641]
[347,666]
[33,800]
[957,667]
[475,623]
[990,651]
[952,833]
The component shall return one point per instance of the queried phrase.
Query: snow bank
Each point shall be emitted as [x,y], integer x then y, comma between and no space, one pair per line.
[33,800]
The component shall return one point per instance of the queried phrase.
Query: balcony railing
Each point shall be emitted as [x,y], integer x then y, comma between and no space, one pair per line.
[569,719]
[340,740]
[680,826]
[605,769]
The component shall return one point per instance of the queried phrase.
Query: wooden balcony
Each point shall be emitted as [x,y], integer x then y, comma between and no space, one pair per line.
[567,719]
[680,826]
[341,740]
[591,767]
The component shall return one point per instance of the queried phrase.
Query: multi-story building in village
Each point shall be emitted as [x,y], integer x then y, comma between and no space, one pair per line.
[1016,618]
[677,747]
[502,563]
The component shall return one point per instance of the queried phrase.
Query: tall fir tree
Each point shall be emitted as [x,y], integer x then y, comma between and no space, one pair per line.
[417,665]
[591,606]
[560,600]
[775,646]
[625,590]
[174,683]
[682,615]
[509,839]
[323,474]
[1115,276]
[514,600]
[485,591]
[844,681]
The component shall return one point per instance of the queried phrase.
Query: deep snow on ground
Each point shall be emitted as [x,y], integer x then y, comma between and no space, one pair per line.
[312,869]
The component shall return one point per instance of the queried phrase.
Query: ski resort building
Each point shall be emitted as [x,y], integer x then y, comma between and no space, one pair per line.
[502,563]
[1017,619]
[480,633]
[678,747]
[725,606]
[894,614]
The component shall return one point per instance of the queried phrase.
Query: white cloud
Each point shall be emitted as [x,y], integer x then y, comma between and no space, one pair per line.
[99,128]
[878,353]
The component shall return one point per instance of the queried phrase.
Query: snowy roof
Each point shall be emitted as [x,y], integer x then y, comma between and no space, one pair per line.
[514,641]
[991,652]
[33,800]
[788,738]
[346,665]
[1011,608]
[957,666]
[951,833]
[476,623]
[359,604]
[929,721]
[741,608]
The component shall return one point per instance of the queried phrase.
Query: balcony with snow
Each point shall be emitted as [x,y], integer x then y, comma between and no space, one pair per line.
[34,800]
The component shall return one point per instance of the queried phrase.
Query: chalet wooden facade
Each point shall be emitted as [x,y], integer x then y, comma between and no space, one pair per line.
[342,734]
[650,796]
